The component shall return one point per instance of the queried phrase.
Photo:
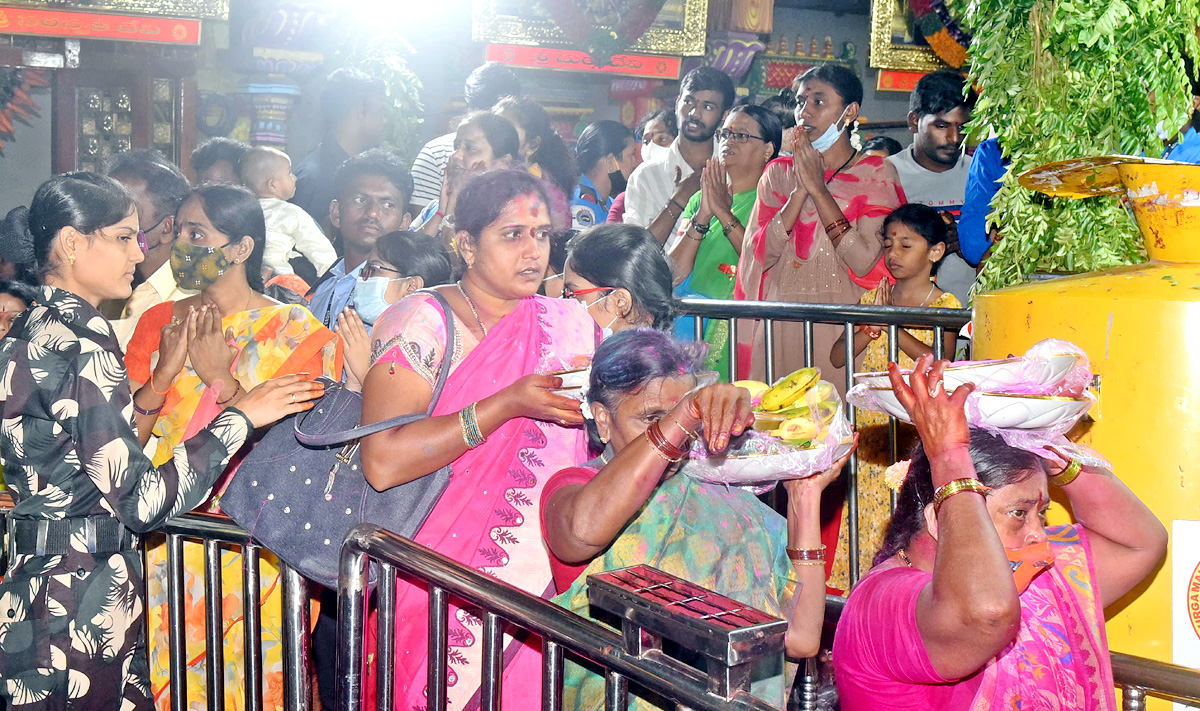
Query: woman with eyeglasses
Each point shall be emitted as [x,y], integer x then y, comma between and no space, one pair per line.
[713,226]
[619,272]
[239,339]
[400,263]
[814,235]
[72,602]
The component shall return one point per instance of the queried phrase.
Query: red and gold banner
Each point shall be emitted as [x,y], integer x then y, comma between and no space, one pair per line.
[630,65]
[92,25]
[893,80]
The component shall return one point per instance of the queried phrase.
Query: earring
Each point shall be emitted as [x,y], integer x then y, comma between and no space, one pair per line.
[71,259]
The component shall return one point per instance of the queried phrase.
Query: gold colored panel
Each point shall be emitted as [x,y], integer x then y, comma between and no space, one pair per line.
[200,9]
[162,133]
[684,37]
[888,17]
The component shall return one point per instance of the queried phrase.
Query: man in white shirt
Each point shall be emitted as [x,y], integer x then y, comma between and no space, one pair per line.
[659,189]
[158,189]
[933,170]
[484,87]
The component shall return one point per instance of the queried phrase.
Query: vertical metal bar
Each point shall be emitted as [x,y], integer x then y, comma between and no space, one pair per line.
[698,328]
[808,685]
[385,652]
[1133,698]
[893,425]
[439,625]
[214,648]
[808,345]
[769,344]
[616,692]
[352,605]
[297,641]
[252,625]
[552,675]
[733,355]
[493,664]
[851,469]
[176,641]
[939,343]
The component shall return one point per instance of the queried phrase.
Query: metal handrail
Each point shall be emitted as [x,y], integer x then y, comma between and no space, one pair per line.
[560,629]
[1137,677]
[825,313]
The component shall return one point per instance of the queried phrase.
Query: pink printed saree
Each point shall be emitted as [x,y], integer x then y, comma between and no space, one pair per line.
[488,516]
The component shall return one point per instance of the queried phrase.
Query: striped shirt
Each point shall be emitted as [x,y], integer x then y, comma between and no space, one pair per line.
[428,168]
[651,186]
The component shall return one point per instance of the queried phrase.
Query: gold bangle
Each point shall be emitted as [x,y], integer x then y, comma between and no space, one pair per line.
[957,487]
[808,562]
[801,555]
[686,431]
[1067,475]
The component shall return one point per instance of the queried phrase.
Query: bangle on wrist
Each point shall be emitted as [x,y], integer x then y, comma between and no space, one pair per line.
[1067,475]
[470,427]
[148,413]
[662,446]
[237,388]
[700,228]
[733,223]
[677,207]
[957,486]
[690,434]
[807,555]
[155,390]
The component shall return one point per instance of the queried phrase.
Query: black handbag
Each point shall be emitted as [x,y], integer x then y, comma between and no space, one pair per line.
[302,488]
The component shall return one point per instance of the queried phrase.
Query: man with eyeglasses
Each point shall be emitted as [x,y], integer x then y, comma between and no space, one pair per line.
[659,189]
[158,189]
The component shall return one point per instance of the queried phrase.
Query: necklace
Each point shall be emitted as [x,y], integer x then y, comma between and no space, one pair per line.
[471,304]
[904,557]
[835,173]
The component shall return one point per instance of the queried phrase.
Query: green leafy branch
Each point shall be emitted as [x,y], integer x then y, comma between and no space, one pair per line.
[1064,79]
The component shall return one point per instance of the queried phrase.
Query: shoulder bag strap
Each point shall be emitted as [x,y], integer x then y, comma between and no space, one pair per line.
[331,438]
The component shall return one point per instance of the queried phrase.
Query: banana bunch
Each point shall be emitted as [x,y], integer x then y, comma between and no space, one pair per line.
[796,408]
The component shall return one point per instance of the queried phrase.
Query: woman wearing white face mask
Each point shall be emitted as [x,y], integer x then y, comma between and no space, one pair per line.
[813,236]
[400,263]
[619,272]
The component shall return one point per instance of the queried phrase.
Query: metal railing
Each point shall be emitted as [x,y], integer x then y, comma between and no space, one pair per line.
[561,630]
[218,533]
[848,317]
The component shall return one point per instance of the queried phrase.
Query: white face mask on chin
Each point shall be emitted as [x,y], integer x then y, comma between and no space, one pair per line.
[653,151]
[827,139]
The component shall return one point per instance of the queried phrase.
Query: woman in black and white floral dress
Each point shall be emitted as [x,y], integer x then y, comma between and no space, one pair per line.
[72,630]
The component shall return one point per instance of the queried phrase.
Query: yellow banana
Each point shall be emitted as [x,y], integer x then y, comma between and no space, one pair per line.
[790,389]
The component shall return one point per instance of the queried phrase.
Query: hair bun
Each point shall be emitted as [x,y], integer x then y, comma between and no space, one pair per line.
[16,238]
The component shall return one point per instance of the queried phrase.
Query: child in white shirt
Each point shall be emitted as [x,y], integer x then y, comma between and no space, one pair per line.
[290,230]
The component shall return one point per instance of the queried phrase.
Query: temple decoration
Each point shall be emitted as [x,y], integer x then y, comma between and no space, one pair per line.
[896,44]
[632,65]
[15,103]
[771,72]
[192,9]
[92,25]
[941,31]
[733,53]
[678,29]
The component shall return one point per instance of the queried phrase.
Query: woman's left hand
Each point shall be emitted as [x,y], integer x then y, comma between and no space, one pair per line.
[173,348]
[722,409]
[210,350]
[816,484]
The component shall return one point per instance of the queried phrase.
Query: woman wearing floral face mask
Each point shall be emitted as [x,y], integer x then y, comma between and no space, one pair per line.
[813,236]
[399,264]
[240,338]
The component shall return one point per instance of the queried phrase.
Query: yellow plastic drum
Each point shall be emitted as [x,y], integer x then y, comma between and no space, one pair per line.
[1140,327]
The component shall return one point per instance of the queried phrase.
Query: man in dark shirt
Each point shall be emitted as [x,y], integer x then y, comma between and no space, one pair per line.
[352,108]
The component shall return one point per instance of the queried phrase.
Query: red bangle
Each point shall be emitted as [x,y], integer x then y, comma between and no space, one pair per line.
[658,440]
[439,213]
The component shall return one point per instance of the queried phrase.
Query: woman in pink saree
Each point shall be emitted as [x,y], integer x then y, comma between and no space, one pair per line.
[499,422]
[974,603]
